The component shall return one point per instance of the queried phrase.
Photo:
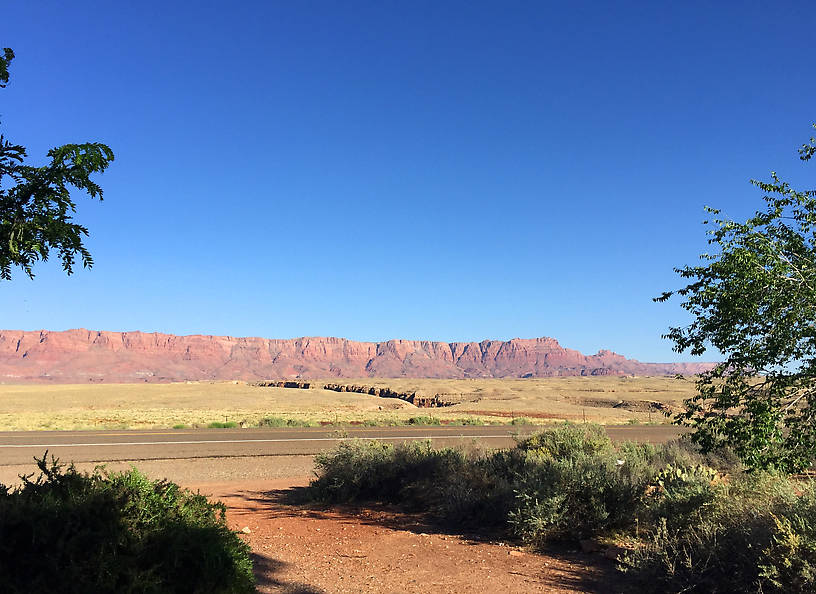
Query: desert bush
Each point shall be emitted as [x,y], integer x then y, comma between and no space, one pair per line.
[754,533]
[69,532]
[281,422]
[566,482]
[478,492]
[788,563]
[368,470]
[469,421]
[455,487]
[680,497]
[704,525]
[575,483]
[520,421]
[222,425]
[568,441]
[423,421]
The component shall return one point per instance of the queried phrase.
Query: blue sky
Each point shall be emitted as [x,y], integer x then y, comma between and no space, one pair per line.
[375,170]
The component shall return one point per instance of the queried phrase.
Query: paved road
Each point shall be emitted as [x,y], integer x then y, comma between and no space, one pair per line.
[109,446]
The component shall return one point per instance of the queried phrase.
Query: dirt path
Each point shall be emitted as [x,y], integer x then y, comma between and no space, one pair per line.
[342,549]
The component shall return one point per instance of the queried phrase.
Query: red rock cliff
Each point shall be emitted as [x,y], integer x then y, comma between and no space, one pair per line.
[83,355]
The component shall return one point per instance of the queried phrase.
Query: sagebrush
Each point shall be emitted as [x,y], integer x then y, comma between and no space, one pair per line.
[68,531]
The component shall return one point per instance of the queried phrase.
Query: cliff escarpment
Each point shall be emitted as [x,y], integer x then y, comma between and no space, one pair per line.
[79,356]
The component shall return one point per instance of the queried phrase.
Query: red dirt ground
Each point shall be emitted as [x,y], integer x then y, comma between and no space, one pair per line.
[300,549]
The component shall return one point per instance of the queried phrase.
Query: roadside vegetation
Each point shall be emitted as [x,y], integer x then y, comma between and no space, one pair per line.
[676,519]
[67,531]
[417,421]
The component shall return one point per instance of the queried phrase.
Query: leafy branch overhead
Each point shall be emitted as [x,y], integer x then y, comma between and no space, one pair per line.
[36,208]
[754,300]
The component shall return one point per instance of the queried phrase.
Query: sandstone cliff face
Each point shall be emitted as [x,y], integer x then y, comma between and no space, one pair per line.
[77,356]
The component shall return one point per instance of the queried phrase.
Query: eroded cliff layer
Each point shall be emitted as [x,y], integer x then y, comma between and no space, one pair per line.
[78,356]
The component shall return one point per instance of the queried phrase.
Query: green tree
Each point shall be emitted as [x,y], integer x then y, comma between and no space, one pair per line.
[35,202]
[754,300]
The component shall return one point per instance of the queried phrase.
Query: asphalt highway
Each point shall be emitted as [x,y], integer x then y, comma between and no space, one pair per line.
[18,448]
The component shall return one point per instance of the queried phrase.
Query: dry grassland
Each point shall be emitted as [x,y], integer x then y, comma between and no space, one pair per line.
[119,406]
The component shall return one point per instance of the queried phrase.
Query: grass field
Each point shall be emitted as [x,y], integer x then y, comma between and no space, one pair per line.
[119,406]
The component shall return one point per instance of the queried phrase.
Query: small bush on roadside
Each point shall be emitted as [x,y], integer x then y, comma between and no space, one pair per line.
[520,421]
[281,422]
[222,425]
[575,483]
[375,471]
[71,532]
[568,441]
[469,421]
[423,421]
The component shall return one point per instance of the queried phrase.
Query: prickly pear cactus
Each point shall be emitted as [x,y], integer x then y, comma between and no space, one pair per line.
[679,476]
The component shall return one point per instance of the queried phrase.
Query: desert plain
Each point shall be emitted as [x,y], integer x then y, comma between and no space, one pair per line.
[605,400]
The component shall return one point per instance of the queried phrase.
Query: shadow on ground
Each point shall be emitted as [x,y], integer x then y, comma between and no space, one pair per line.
[266,568]
[578,571]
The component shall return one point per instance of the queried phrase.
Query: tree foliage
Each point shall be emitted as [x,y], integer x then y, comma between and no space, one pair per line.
[754,300]
[36,208]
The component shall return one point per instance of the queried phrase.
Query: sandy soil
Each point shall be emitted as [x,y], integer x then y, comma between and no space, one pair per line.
[379,549]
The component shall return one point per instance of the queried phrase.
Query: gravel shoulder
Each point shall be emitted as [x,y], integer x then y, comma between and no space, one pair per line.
[188,471]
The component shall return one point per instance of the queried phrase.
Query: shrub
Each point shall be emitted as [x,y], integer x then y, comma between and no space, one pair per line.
[682,496]
[469,421]
[281,422]
[568,441]
[704,520]
[376,471]
[788,563]
[479,491]
[520,421]
[68,531]
[222,425]
[752,534]
[575,484]
[566,482]
[456,488]
[423,421]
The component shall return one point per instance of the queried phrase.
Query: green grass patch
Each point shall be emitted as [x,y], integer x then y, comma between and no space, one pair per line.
[282,422]
[222,425]
[467,422]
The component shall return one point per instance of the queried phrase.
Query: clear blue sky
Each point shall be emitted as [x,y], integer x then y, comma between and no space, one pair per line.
[374,170]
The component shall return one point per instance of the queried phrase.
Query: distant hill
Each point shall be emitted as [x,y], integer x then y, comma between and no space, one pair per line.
[79,356]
